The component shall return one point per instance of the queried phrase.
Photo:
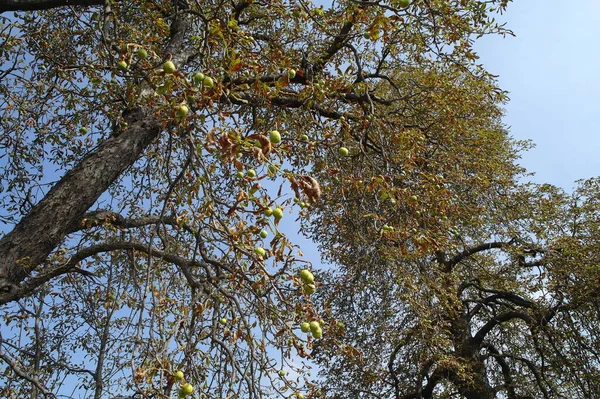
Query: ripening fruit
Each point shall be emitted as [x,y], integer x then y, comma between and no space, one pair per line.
[239,174]
[282,373]
[275,137]
[264,234]
[223,321]
[414,198]
[198,78]
[178,375]
[403,3]
[314,326]
[305,327]
[291,73]
[142,54]
[83,130]
[122,65]
[251,173]
[299,395]
[169,67]
[318,333]
[339,324]
[309,289]
[343,151]
[268,212]
[182,111]
[187,389]
[304,137]
[306,276]
[208,82]
[272,169]
[260,251]
[277,213]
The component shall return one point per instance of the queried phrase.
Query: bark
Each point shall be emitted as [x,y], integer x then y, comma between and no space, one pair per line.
[31,5]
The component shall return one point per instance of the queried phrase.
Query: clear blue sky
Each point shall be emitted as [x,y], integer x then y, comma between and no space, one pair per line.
[552,71]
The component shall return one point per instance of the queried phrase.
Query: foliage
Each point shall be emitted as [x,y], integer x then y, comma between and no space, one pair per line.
[133,225]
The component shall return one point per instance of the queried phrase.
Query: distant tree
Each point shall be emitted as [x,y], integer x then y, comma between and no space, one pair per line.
[140,166]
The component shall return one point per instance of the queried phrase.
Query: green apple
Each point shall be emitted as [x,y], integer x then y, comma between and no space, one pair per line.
[275,137]
[268,212]
[208,82]
[169,67]
[142,54]
[305,327]
[223,321]
[309,289]
[277,213]
[304,137]
[343,151]
[187,389]
[291,73]
[403,3]
[251,173]
[182,111]
[264,234]
[260,251]
[122,65]
[198,78]
[306,276]
[178,375]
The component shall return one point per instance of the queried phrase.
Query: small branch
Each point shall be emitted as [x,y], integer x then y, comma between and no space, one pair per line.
[33,5]
[18,371]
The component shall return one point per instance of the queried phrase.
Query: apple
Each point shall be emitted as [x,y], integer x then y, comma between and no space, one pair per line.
[403,3]
[305,327]
[223,321]
[306,276]
[198,78]
[260,251]
[275,137]
[122,65]
[143,54]
[208,82]
[309,289]
[182,111]
[291,73]
[187,389]
[178,375]
[304,137]
[314,326]
[268,212]
[343,151]
[264,234]
[277,213]
[169,67]
[251,173]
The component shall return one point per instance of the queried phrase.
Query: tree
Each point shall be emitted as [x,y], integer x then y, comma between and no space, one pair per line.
[501,303]
[129,131]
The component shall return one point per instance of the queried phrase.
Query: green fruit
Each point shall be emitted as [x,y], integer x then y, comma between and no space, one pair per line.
[169,67]
[403,3]
[305,327]
[282,373]
[306,276]
[291,73]
[277,213]
[318,333]
[260,251]
[198,77]
[414,198]
[314,326]
[122,65]
[339,324]
[299,395]
[272,169]
[304,137]
[264,234]
[309,289]
[182,111]
[208,82]
[83,130]
[178,375]
[239,174]
[187,389]
[343,151]
[275,137]
[223,321]
[143,54]
[268,212]
[251,173]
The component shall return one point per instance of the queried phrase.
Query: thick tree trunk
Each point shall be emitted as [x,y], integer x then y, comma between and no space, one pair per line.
[34,238]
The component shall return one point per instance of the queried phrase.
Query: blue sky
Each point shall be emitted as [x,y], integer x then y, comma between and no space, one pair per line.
[551,69]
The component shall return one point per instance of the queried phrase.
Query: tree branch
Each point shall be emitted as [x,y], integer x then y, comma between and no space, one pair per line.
[33,5]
